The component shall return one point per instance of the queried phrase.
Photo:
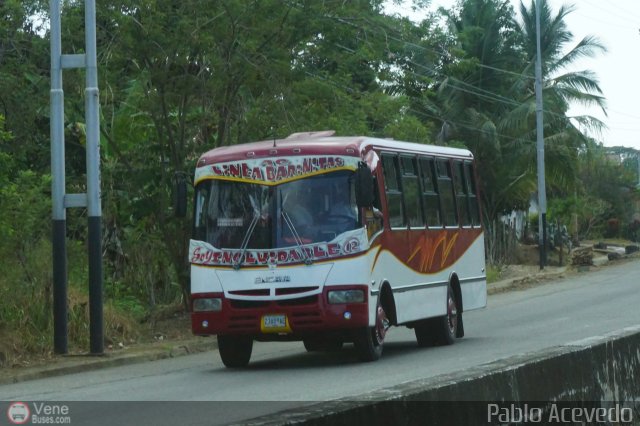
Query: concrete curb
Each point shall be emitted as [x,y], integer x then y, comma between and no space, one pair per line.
[70,364]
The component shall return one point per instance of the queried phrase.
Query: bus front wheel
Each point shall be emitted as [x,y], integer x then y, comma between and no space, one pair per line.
[369,341]
[235,351]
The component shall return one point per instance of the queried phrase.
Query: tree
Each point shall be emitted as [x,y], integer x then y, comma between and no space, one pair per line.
[489,93]
[475,94]
[184,76]
[561,88]
[24,83]
[606,191]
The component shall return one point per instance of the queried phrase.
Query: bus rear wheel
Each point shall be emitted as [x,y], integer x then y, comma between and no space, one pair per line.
[369,341]
[441,330]
[235,351]
[448,327]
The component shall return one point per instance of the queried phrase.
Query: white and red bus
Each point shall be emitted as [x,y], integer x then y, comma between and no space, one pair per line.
[330,240]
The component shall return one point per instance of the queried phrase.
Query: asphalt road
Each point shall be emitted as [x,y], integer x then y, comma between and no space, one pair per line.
[283,375]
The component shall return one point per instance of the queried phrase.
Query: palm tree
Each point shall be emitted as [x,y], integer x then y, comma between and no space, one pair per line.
[561,88]
[474,83]
[487,95]
[475,94]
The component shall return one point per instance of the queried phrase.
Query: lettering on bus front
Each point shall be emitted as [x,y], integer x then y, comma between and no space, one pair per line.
[202,253]
[276,170]
[206,256]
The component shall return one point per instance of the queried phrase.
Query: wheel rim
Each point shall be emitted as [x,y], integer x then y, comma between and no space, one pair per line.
[452,314]
[382,325]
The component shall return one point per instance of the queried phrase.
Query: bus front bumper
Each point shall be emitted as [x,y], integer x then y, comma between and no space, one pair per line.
[282,318]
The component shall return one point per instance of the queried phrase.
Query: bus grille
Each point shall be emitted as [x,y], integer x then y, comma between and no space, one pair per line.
[309,300]
[259,292]
[294,290]
[249,304]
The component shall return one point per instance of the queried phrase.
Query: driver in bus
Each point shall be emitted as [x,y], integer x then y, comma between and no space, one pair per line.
[298,205]
[343,212]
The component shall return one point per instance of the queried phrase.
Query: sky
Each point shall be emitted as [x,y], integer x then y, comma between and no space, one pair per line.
[617,24]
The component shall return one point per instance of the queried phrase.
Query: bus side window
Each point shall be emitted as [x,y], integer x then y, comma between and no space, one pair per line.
[377,203]
[200,222]
[430,192]
[411,191]
[460,186]
[445,187]
[472,192]
[393,191]
[373,216]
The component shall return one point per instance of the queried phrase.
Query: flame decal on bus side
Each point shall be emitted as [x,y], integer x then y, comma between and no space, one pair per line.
[430,251]
[427,248]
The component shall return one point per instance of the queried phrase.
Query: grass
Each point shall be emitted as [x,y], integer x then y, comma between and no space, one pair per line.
[493,273]
[26,313]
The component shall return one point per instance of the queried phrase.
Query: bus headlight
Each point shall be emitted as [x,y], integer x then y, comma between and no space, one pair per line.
[207,305]
[346,296]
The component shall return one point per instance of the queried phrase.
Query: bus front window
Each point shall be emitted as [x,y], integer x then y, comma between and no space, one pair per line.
[224,210]
[319,207]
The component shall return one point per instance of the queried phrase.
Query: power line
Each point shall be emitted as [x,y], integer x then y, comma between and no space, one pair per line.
[484,93]
[606,22]
[474,90]
[611,11]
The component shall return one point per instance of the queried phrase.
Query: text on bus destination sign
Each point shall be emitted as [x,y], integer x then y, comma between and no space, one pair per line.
[276,170]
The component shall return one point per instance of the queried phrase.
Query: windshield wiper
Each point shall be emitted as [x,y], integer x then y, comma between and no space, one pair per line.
[245,241]
[296,237]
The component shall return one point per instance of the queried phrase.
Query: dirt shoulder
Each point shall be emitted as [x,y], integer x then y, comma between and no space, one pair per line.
[519,277]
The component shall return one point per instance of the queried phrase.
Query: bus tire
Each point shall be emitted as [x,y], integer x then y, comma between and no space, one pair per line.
[235,351]
[440,330]
[369,341]
[447,325]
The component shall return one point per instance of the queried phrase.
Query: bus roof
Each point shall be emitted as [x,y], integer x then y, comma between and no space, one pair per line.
[322,143]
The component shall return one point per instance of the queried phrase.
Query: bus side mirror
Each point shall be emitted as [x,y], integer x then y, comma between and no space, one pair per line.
[180,196]
[364,186]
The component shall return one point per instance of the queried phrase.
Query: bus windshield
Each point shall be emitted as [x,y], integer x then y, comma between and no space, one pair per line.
[304,211]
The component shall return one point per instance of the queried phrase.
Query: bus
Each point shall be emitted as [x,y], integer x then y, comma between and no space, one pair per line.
[331,240]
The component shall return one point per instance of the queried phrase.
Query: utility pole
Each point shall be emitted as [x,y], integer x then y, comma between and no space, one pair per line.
[91,199]
[59,213]
[542,193]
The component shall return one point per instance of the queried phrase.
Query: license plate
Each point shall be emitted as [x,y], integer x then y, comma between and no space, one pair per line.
[275,324]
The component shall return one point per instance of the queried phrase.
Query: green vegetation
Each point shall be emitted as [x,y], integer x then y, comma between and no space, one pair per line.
[493,273]
[178,77]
